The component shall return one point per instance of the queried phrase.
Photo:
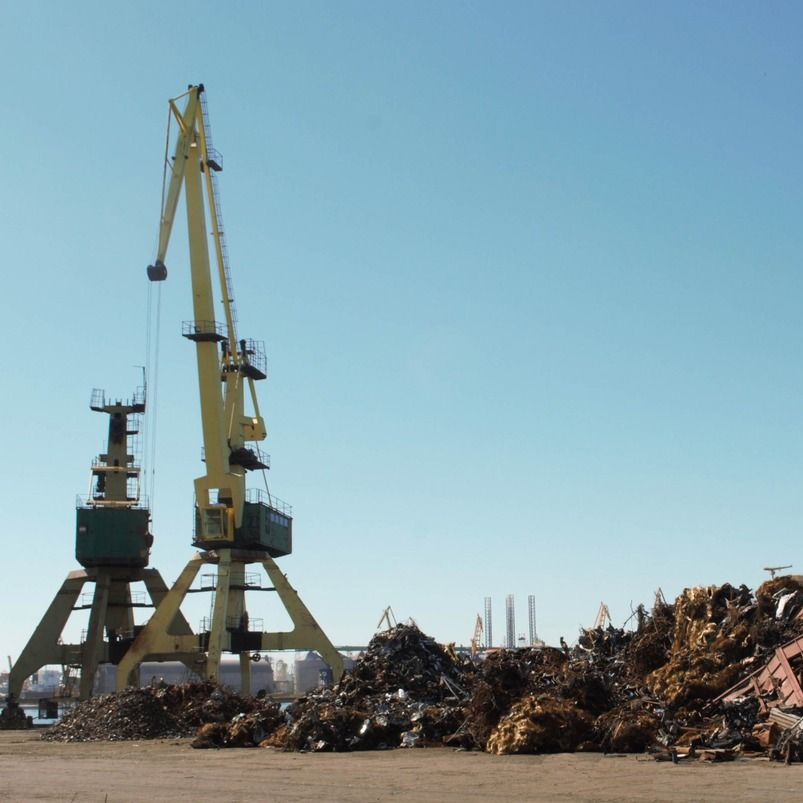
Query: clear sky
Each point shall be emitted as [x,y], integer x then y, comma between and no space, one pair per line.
[528,276]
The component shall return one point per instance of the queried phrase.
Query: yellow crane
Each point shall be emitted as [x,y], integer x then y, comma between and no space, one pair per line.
[603,615]
[388,618]
[773,570]
[234,527]
[476,639]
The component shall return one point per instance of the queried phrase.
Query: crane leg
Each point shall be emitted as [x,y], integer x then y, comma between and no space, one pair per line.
[155,638]
[307,633]
[93,647]
[43,647]
[157,591]
[218,632]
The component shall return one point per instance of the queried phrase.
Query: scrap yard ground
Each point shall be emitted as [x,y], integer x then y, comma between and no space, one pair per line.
[110,772]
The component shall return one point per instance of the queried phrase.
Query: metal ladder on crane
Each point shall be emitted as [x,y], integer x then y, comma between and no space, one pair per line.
[215,165]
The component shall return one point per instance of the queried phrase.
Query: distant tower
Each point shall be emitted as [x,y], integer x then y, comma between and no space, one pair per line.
[489,638]
[510,621]
[531,613]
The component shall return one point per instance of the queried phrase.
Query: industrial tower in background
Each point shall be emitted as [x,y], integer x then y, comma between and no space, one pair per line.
[489,639]
[511,642]
[510,622]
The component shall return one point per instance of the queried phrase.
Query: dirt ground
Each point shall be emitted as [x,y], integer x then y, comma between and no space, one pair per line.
[171,770]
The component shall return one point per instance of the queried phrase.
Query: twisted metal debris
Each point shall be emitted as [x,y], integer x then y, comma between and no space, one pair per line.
[155,713]
[406,690]
[666,687]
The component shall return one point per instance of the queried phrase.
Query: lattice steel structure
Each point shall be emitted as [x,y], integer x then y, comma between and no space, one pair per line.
[489,639]
[531,618]
[510,621]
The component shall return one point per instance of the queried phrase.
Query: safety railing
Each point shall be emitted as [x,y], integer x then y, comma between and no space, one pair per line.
[202,330]
[265,498]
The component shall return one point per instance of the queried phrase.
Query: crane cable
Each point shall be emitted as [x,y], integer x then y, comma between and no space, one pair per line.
[267,490]
[146,465]
[152,341]
[154,384]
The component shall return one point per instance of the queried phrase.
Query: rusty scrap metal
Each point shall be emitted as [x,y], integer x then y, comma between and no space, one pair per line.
[154,713]
[776,683]
[706,678]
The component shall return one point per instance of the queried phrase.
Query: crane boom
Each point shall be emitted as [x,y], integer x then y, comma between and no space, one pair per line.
[603,615]
[220,492]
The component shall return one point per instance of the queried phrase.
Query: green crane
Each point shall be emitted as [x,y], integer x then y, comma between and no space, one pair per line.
[112,544]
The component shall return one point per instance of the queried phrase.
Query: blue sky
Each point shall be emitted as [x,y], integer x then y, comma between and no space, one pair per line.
[528,279]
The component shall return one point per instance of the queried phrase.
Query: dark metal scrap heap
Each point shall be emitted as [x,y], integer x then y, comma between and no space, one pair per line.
[158,712]
[711,677]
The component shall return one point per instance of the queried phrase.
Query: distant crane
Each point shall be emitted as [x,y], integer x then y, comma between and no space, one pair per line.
[477,637]
[773,569]
[389,618]
[603,615]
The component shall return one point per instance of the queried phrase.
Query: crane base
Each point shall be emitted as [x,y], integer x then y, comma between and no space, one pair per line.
[228,632]
[110,631]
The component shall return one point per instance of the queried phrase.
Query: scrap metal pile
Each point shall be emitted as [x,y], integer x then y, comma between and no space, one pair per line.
[664,686]
[13,717]
[406,690]
[667,686]
[713,675]
[159,712]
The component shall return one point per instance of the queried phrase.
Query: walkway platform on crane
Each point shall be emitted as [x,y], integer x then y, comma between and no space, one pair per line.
[202,331]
